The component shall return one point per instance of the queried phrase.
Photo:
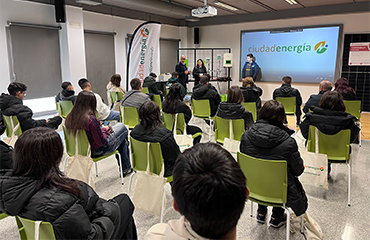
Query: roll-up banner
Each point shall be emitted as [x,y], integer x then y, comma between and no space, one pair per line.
[143,56]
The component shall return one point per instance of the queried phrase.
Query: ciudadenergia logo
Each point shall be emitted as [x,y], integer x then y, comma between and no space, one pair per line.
[144,32]
[321,47]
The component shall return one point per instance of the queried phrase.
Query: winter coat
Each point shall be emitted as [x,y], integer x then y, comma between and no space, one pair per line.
[180,108]
[13,106]
[134,98]
[314,100]
[250,70]
[66,95]
[196,73]
[252,94]
[235,111]
[169,147]
[6,156]
[348,95]
[113,88]
[149,82]
[173,80]
[180,69]
[272,141]
[329,122]
[286,90]
[201,92]
[72,217]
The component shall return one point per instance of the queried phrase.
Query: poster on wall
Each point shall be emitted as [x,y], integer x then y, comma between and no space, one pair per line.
[143,57]
[359,54]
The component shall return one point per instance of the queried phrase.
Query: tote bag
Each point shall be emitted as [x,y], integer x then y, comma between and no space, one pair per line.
[230,144]
[184,141]
[149,190]
[311,229]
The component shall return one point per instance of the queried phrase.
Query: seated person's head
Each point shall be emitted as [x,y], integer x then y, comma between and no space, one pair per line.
[67,86]
[248,82]
[332,100]
[17,89]
[175,74]
[84,83]
[153,75]
[150,116]
[204,80]
[287,79]
[235,95]
[272,111]
[135,84]
[116,80]
[209,189]
[175,92]
[325,86]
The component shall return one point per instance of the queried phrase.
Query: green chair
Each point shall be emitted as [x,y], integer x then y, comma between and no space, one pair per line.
[157,99]
[354,108]
[84,150]
[167,91]
[12,125]
[269,185]
[222,129]
[336,147]
[129,116]
[115,96]
[289,104]
[65,108]
[251,107]
[3,215]
[57,107]
[169,122]
[202,110]
[145,90]
[34,230]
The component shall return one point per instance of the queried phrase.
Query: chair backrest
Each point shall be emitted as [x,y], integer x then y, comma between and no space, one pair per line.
[222,129]
[336,146]
[289,104]
[115,96]
[353,107]
[157,99]
[70,140]
[27,229]
[3,215]
[251,107]
[130,116]
[65,108]
[57,105]
[11,122]
[167,91]
[169,122]
[267,179]
[139,156]
[145,90]
[201,108]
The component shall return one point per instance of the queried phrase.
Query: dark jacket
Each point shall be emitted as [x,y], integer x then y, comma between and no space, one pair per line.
[134,98]
[173,80]
[207,92]
[149,82]
[349,96]
[196,71]
[66,95]
[272,141]
[12,106]
[250,70]
[329,122]
[180,69]
[252,94]
[235,111]
[6,156]
[314,100]
[72,217]
[169,147]
[286,90]
[180,108]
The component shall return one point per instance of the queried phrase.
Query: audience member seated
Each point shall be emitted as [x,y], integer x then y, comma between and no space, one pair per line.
[149,82]
[251,92]
[151,129]
[67,94]
[342,86]
[269,139]
[12,105]
[134,97]
[314,99]
[232,109]
[206,91]
[174,104]
[103,140]
[6,151]
[330,117]
[103,111]
[209,191]
[114,85]
[286,90]
[36,189]
[174,79]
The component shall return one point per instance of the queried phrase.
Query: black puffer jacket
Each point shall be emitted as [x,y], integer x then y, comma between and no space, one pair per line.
[72,217]
[12,106]
[252,94]
[286,90]
[207,92]
[6,156]
[272,141]
[149,82]
[235,111]
[329,122]
[66,95]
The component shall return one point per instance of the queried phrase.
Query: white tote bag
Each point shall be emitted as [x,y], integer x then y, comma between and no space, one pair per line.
[149,189]
[230,144]
[315,164]
[311,229]
[184,141]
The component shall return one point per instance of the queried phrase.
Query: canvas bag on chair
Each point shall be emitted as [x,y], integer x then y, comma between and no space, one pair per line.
[149,189]
[230,144]
[311,229]
[79,167]
[183,140]
[315,164]
[11,141]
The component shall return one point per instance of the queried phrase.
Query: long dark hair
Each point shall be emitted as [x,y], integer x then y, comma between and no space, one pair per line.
[342,86]
[116,80]
[85,105]
[150,116]
[202,63]
[332,100]
[37,153]
[174,97]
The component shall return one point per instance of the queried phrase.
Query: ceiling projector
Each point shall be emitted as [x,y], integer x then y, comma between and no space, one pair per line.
[205,11]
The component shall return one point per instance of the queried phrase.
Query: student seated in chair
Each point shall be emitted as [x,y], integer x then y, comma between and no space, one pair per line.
[134,97]
[36,189]
[206,91]
[6,151]
[314,99]
[67,94]
[209,190]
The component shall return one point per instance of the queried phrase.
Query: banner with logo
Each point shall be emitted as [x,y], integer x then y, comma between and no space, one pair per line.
[143,57]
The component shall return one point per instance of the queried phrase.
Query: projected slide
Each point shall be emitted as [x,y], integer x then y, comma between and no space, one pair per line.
[305,54]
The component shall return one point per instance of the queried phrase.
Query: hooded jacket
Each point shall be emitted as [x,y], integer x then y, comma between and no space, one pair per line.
[252,94]
[150,83]
[272,141]
[235,111]
[134,98]
[286,90]
[66,95]
[314,100]
[13,106]
[173,80]
[72,217]
[250,69]
[329,122]
[201,92]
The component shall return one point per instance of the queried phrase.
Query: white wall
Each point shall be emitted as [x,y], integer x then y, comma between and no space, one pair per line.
[228,36]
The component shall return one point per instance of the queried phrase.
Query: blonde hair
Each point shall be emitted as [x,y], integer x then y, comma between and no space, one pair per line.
[248,81]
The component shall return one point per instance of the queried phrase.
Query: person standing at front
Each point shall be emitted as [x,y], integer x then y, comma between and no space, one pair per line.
[182,71]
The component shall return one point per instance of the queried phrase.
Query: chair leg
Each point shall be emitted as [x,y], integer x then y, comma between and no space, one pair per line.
[120,167]
[210,130]
[251,209]
[129,183]
[349,183]
[162,210]
[287,224]
[96,169]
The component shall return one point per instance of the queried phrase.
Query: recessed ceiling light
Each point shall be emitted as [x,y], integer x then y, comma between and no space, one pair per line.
[220,4]
[291,2]
[90,2]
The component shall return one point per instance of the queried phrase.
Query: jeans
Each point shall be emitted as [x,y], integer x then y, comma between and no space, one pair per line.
[118,140]
[113,115]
